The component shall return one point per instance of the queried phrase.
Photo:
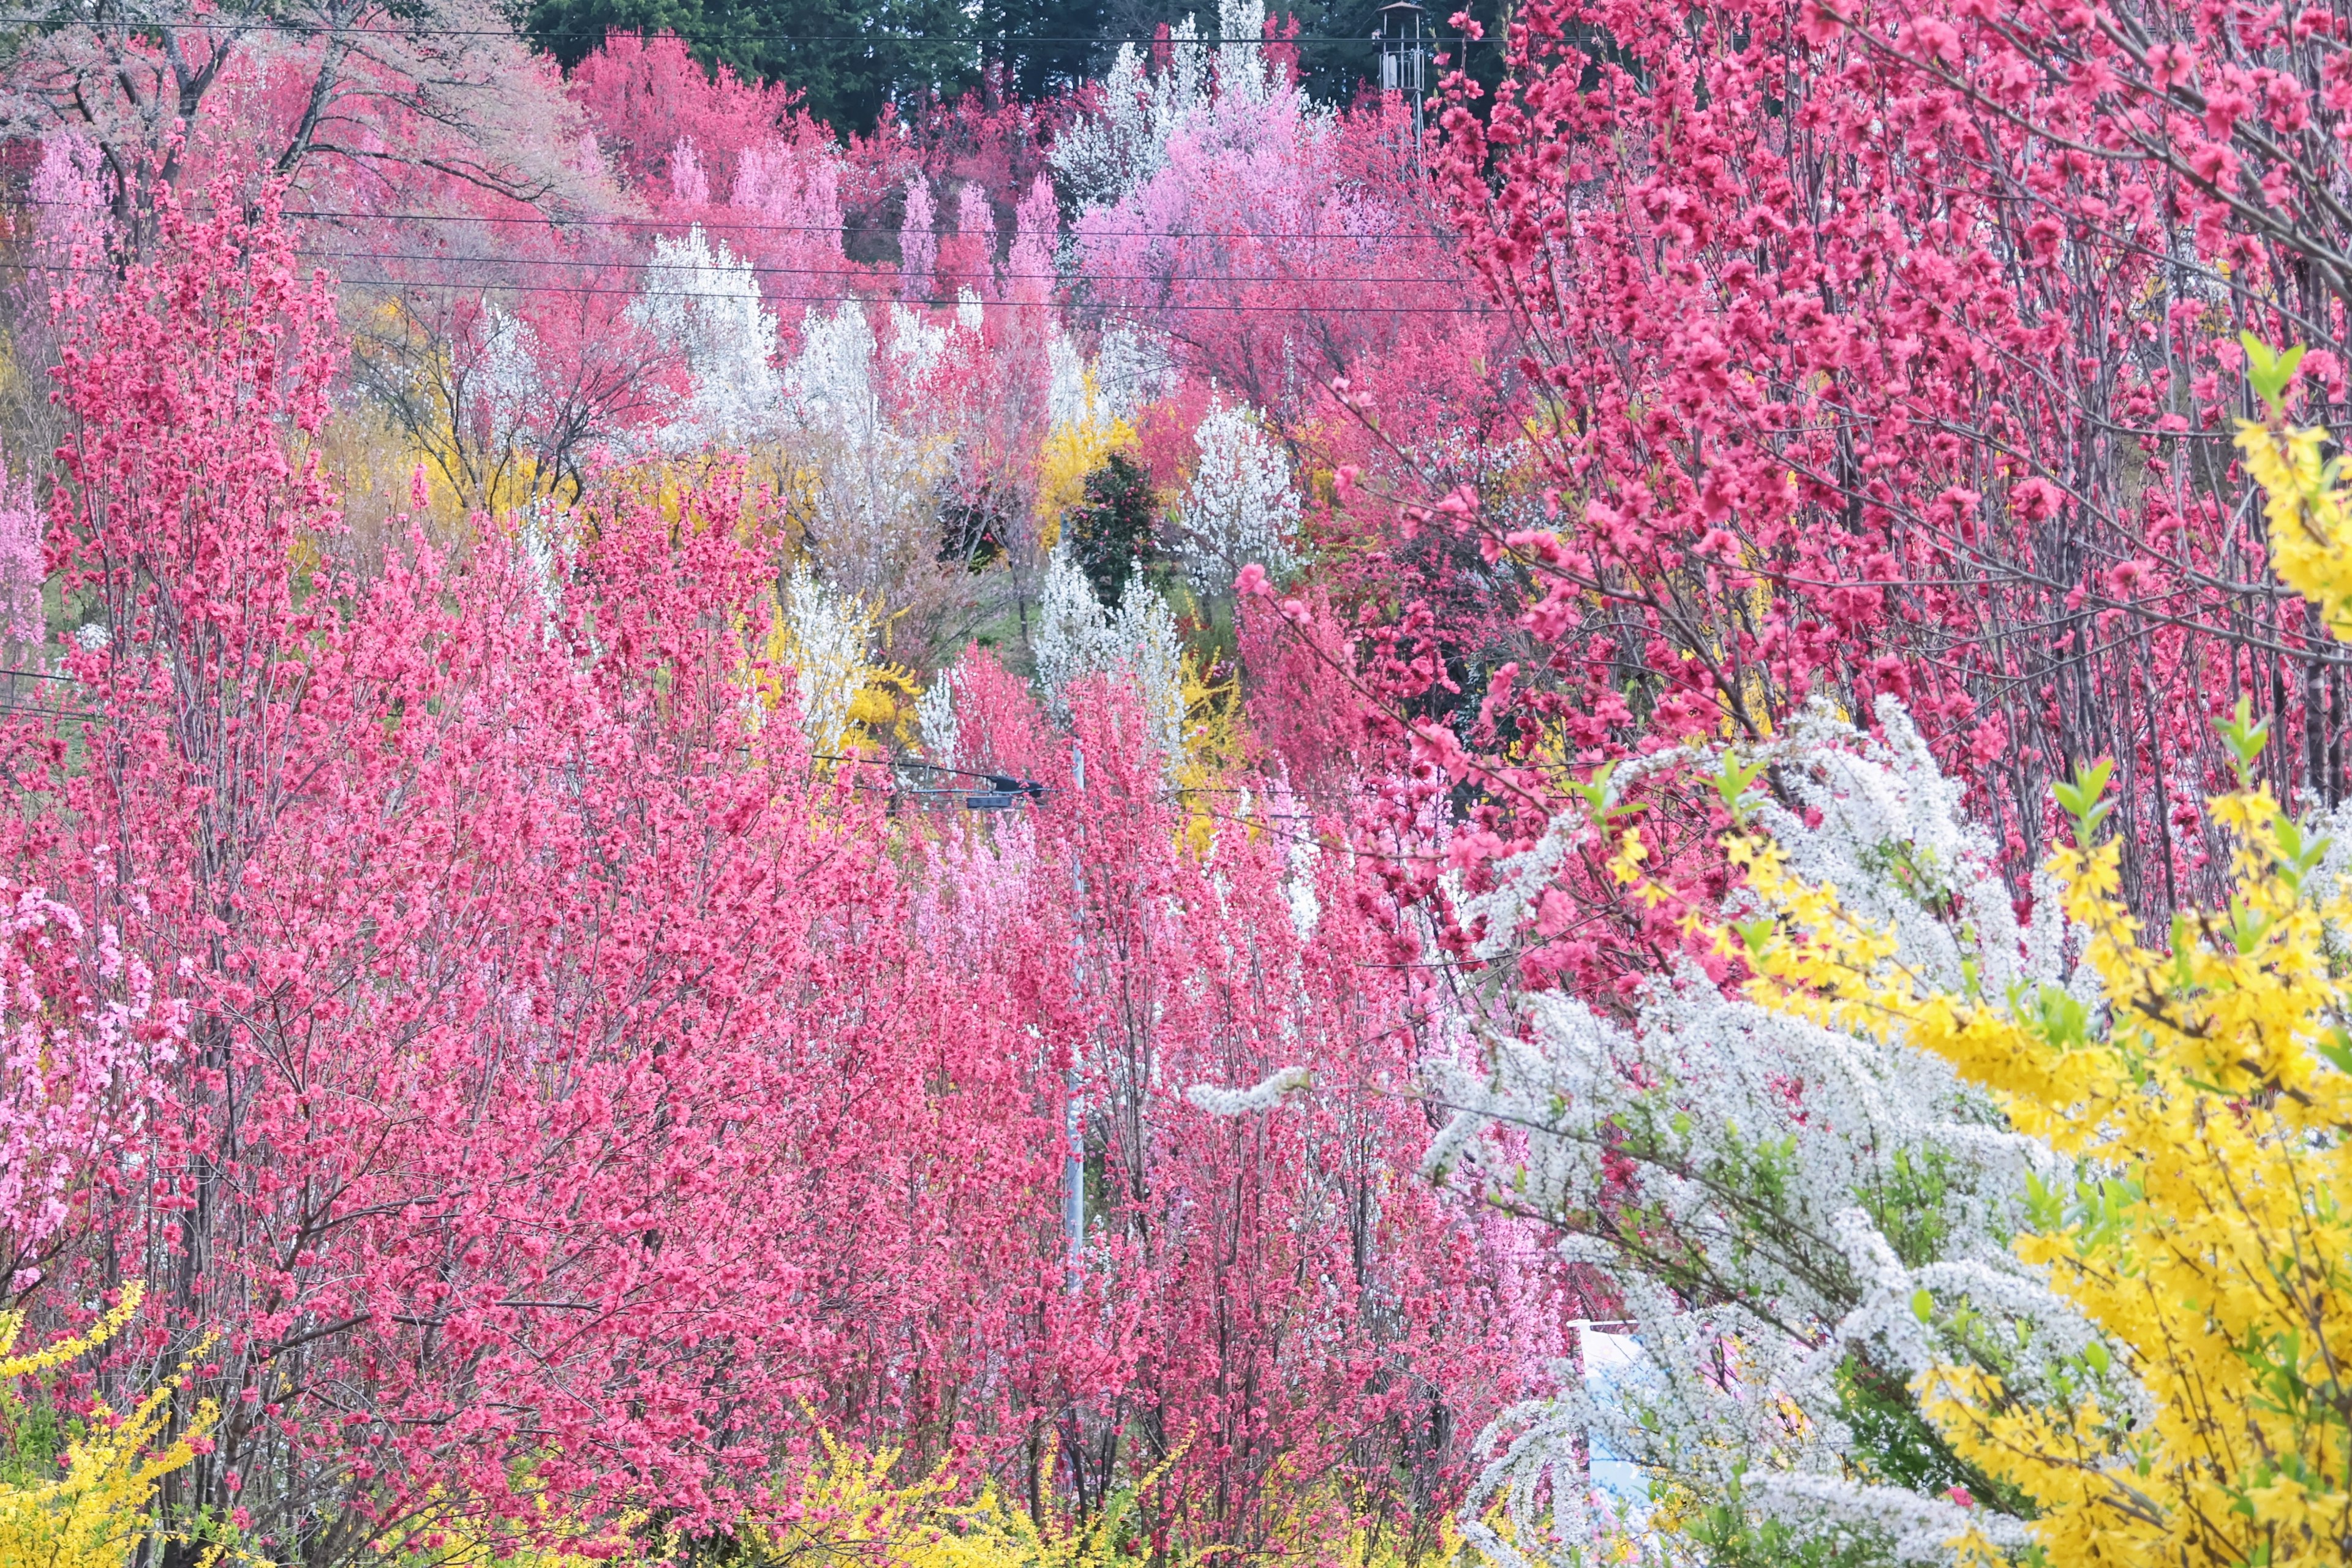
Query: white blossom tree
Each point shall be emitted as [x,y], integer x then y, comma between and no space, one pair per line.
[827,635]
[1101,159]
[704,299]
[1139,640]
[1240,506]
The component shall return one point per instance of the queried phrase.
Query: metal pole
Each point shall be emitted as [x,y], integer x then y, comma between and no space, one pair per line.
[1073,1159]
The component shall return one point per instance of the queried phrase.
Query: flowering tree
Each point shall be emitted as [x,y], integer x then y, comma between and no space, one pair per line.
[702,299]
[510,389]
[454,1169]
[1279,244]
[1241,507]
[331,97]
[1880,359]
[1305,1333]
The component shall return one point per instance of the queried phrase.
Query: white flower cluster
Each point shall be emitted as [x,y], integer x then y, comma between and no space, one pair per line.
[1299,888]
[1071,397]
[1101,160]
[934,717]
[828,656]
[1129,370]
[1077,637]
[1133,368]
[506,374]
[1240,506]
[1778,1203]
[873,486]
[544,539]
[703,299]
[1264,1095]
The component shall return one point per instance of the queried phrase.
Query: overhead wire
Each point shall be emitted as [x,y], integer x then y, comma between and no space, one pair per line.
[762,270]
[582,290]
[716,224]
[135,24]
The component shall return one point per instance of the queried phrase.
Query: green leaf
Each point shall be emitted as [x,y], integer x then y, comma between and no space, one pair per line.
[2268,371]
[1923,1305]
[2084,799]
[2299,854]
[2245,740]
[1732,782]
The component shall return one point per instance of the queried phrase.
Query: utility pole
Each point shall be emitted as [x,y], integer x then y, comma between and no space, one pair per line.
[1074,1158]
[1404,56]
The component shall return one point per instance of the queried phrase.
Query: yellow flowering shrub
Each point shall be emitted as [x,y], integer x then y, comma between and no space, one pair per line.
[1072,450]
[2208,1103]
[2211,1241]
[2303,500]
[850,1510]
[97,1512]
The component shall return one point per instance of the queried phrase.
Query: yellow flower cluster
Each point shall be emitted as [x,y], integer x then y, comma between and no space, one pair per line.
[2305,503]
[2211,1103]
[2310,521]
[2208,1101]
[1072,450]
[851,1510]
[98,1512]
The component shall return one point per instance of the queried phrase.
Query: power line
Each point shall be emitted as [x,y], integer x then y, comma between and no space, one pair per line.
[722,226]
[865,298]
[132,24]
[590,289]
[853,272]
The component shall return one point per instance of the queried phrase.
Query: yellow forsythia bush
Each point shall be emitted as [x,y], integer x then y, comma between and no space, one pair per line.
[97,1511]
[2305,504]
[851,1511]
[2212,1239]
[2206,1104]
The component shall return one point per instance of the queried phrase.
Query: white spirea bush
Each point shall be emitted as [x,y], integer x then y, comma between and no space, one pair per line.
[1265,1095]
[1792,1215]
[1240,506]
[703,299]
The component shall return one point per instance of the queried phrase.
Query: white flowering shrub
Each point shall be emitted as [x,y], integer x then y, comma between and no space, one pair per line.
[831,381]
[1077,638]
[1798,1220]
[1240,506]
[1099,159]
[827,650]
[1071,394]
[704,299]
[1265,1095]
[544,539]
[934,717]
[1133,368]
